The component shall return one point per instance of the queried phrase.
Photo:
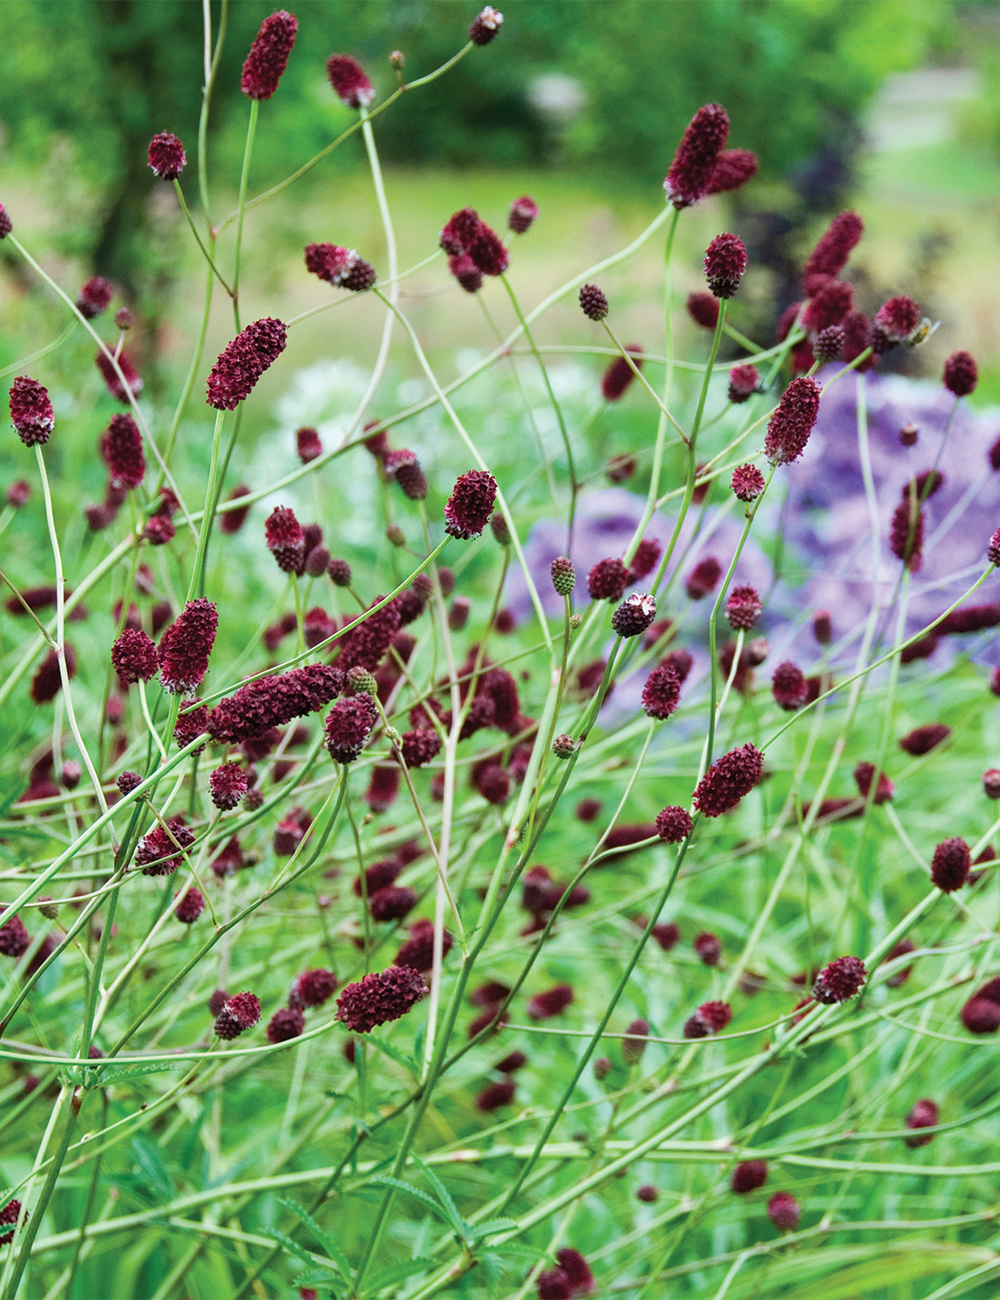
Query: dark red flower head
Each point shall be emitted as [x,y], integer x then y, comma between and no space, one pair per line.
[961,374]
[31,411]
[552,1002]
[523,212]
[313,987]
[693,168]
[864,774]
[121,451]
[119,391]
[242,362]
[365,645]
[420,746]
[830,255]
[418,950]
[924,1114]
[673,825]
[725,264]
[160,850]
[268,55]
[733,168]
[921,740]
[789,686]
[286,1023]
[134,657]
[18,494]
[231,521]
[950,864]
[392,903]
[747,482]
[470,505]
[8,1215]
[644,560]
[662,691]
[466,272]
[726,782]
[981,1015]
[703,308]
[241,1012]
[404,467]
[743,382]
[190,906]
[496,1095]
[607,580]
[227,785]
[380,997]
[349,81]
[329,262]
[828,345]
[348,726]
[710,1018]
[708,948]
[47,681]
[459,231]
[186,645]
[743,608]
[839,981]
[748,1175]
[487,250]
[166,156]
[577,1270]
[783,1211]
[94,297]
[553,1284]
[703,578]
[792,422]
[828,306]
[620,374]
[593,302]
[991,783]
[634,1042]
[272,701]
[898,317]
[485,27]
[308,444]
[634,615]
[285,539]
[6,225]
[14,938]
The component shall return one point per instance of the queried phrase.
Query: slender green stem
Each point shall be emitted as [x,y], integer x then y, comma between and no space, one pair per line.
[198,239]
[241,209]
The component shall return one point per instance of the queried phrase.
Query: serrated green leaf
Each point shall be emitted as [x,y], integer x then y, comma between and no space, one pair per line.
[149,1158]
[107,1074]
[455,1220]
[401,1272]
[383,1180]
[300,1252]
[474,1230]
[332,1249]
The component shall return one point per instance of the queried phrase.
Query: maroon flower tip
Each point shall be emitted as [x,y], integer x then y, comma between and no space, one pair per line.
[14,938]
[242,362]
[991,783]
[159,851]
[496,1095]
[747,482]
[190,906]
[961,374]
[550,1003]
[673,824]
[365,645]
[485,27]
[392,903]
[620,468]
[340,572]
[47,681]
[828,345]
[728,780]
[418,950]
[830,255]
[166,156]
[359,276]
[981,1015]
[693,167]
[241,1012]
[733,168]
[950,864]
[743,608]
[789,686]
[725,265]
[828,306]
[662,691]
[898,317]
[459,231]
[285,539]
[269,702]
[634,615]
[923,1114]
[864,774]
[647,1193]
[380,997]
[703,308]
[420,746]
[227,785]
[553,1284]
[186,645]
[18,494]
[620,374]
[31,411]
[286,1023]
[328,261]
[839,981]
[94,297]
[349,81]
[523,212]
[487,251]
[404,467]
[10,1214]
[6,225]
[121,451]
[134,657]
[593,302]
[747,1176]
[634,1041]
[921,740]
[308,444]
[470,505]
[314,987]
[647,553]
[466,272]
[607,580]
[119,391]
[231,521]
[577,1270]
[124,318]
[268,55]
[708,948]
[348,726]
[783,1211]
[743,383]
[703,578]
[792,422]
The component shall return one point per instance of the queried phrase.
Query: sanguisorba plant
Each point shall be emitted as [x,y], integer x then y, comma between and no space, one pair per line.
[329,886]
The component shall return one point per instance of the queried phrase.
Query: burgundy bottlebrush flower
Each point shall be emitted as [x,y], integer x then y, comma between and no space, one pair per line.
[828,306]
[487,250]
[418,950]
[166,156]
[365,644]
[553,1284]
[708,948]
[313,987]
[14,938]
[380,997]
[94,296]
[485,27]
[789,686]
[693,168]
[339,572]
[898,317]
[747,482]
[242,362]
[383,787]
[186,645]
[496,1095]
[348,726]
[121,451]
[523,212]
[961,374]
[703,308]
[552,1002]
[634,1042]
[493,783]
[593,302]
[906,536]
[743,608]
[190,906]
[647,1193]
[733,168]
[18,494]
[241,1012]
[830,255]
[577,1270]
[159,530]
[286,1023]
[743,382]
[227,785]
[359,276]
[10,1214]
[726,782]
[607,580]
[673,824]
[662,691]
[124,318]
[981,1015]
[458,614]
[6,225]
[231,521]
[634,615]
[710,1018]
[47,681]
[644,561]
[458,231]
[840,980]
[703,578]
[159,851]
[563,574]
[308,444]
[466,272]
[419,746]
[511,1063]
[921,740]
[923,1114]
[31,411]
[991,783]
[268,702]
[828,345]
[620,468]
[950,864]
[725,264]
[191,724]
[619,374]
[470,505]
[748,1175]
[783,1211]
[268,55]
[864,774]
[134,657]
[119,390]
[349,81]
[285,539]
[329,262]
[317,626]
[392,903]
[792,422]
[404,467]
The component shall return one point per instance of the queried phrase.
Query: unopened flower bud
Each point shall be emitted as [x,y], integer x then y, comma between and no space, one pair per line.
[564,746]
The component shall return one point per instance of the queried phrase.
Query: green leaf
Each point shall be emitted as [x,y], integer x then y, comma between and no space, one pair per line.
[149,1158]
[488,1226]
[455,1220]
[401,1272]
[111,1073]
[293,1248]
[383,1180]
[332,1249]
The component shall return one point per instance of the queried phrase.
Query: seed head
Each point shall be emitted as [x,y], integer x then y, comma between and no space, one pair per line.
[703,308]
[404,467]
[783,1211]
[552,1002]
[31,411]
[634,615]
[485,27]
[703,578]
[166,156]
[593,302]
[961,374]
[380,997]
[725,264]
[94,297]
[620,374]
[726,782]
[693,168]
[268,55]
[747,1176]
[830,255]
[924,1114]
[950,864]
[349,81]
[789,687]
[733,168]
[190,906]
[348,726]
[359,276]
[743,608]
[839,981]
[134,657]
[286,1023]
[792,422]
[186,645]
[523,212]
[470,505]
[241,1012]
